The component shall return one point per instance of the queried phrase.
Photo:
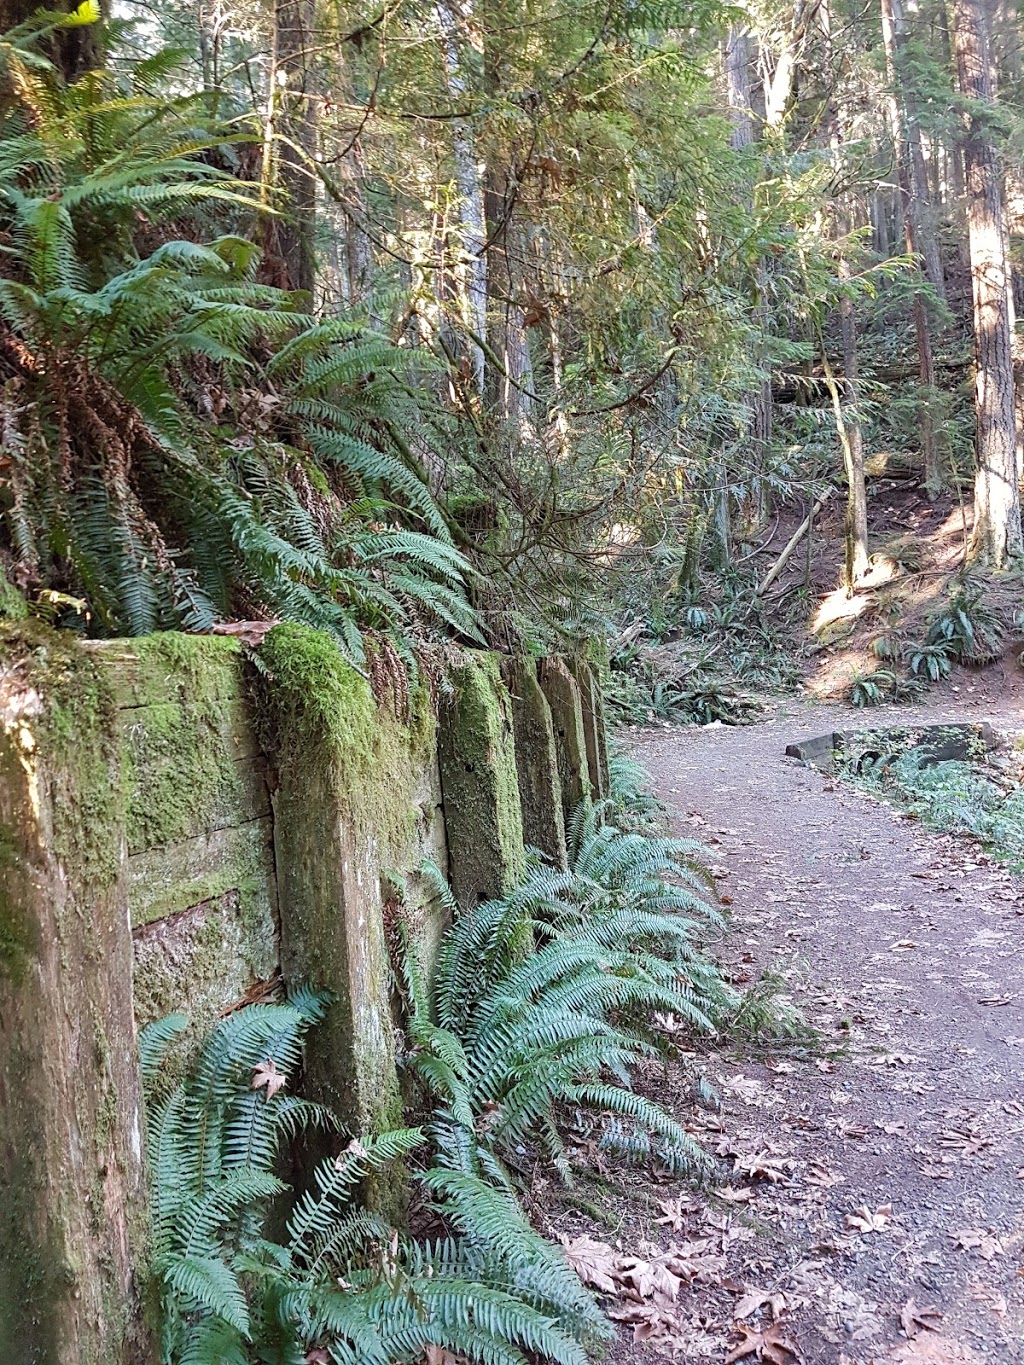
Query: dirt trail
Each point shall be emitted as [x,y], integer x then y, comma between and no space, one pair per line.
[910,947]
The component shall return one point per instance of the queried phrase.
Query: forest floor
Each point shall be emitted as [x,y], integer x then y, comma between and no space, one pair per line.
[871,1199]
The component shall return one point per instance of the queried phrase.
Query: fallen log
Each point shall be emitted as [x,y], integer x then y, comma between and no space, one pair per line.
[791,544]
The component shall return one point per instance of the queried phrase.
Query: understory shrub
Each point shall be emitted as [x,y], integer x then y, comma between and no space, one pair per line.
[544,1000]
[958,797]
[184,443]
[540,1006]
[340,1284]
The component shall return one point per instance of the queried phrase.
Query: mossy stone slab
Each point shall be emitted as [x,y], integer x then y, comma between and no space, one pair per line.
[73,1206]
[563,697]
[479,781]
[540,790]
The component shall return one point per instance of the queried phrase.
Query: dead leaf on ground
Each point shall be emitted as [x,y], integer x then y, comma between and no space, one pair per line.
[936,1171]
[822,1176]
[648,1279]
[764,1166]
[267,1074]
[754,1299]
[866,1220]
[914,1319]
[696,1260]
[966,1141]
[991,1298]
[650,1321]
[985,1243]
[594,1262]
[733,1195]
[770,1344]
[674,1211]
[851,1314]
[933,1349]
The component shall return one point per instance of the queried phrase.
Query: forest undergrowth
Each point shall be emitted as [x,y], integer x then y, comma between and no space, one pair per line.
[521,1045]
[981,799]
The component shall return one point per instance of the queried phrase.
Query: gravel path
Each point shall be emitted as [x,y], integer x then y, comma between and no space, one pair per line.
[886,1181]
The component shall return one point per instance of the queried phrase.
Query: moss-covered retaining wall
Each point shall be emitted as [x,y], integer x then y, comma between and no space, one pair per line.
[181,830]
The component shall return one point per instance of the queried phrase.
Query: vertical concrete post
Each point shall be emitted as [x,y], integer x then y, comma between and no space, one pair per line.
[540,791]
[321,731]
[563,697]
[594,731]
[479,783]
[73,1207]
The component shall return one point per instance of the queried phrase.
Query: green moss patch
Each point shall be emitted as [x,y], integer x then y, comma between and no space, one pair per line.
[480,783]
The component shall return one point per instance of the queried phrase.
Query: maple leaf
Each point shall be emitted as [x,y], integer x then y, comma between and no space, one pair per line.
[594,1262]
[771,1344]
[649,1279]
[695,1261]
[764,1166]
[439,1355]
[967,1141]
[674,1212]
[250,633]
[354,1149]
[650,1321]
[732,1195]
[267,1074]
[991,1298]
[822,1176]
[866,1220]
[933,1349]
[913,1319]
[984,1243]
[754,1299]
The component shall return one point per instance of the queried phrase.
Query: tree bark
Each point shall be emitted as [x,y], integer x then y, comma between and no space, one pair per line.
[905,119]
[73,51]
[997,535]
[452,16]
[847,416]
[737,81]
[851,438]
[510,375]
[753,509]
[919,225]
[779,89]
[296,126]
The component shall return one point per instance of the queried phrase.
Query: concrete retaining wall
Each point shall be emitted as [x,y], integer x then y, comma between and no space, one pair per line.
[182,831]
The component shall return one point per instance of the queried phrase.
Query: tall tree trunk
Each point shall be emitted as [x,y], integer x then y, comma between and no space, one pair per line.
[753,510]
[847,416]
[737,82]
[919,225]
[957,175]
[997,535]
[510,375]
[851,436]
[906,126]
[296,128]
[73,51]
[507,336]
[452,16]
[779,88]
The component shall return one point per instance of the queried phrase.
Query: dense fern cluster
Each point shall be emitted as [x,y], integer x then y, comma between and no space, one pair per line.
[183,443]
[538,1008]
[341,1284]
[542,1002]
